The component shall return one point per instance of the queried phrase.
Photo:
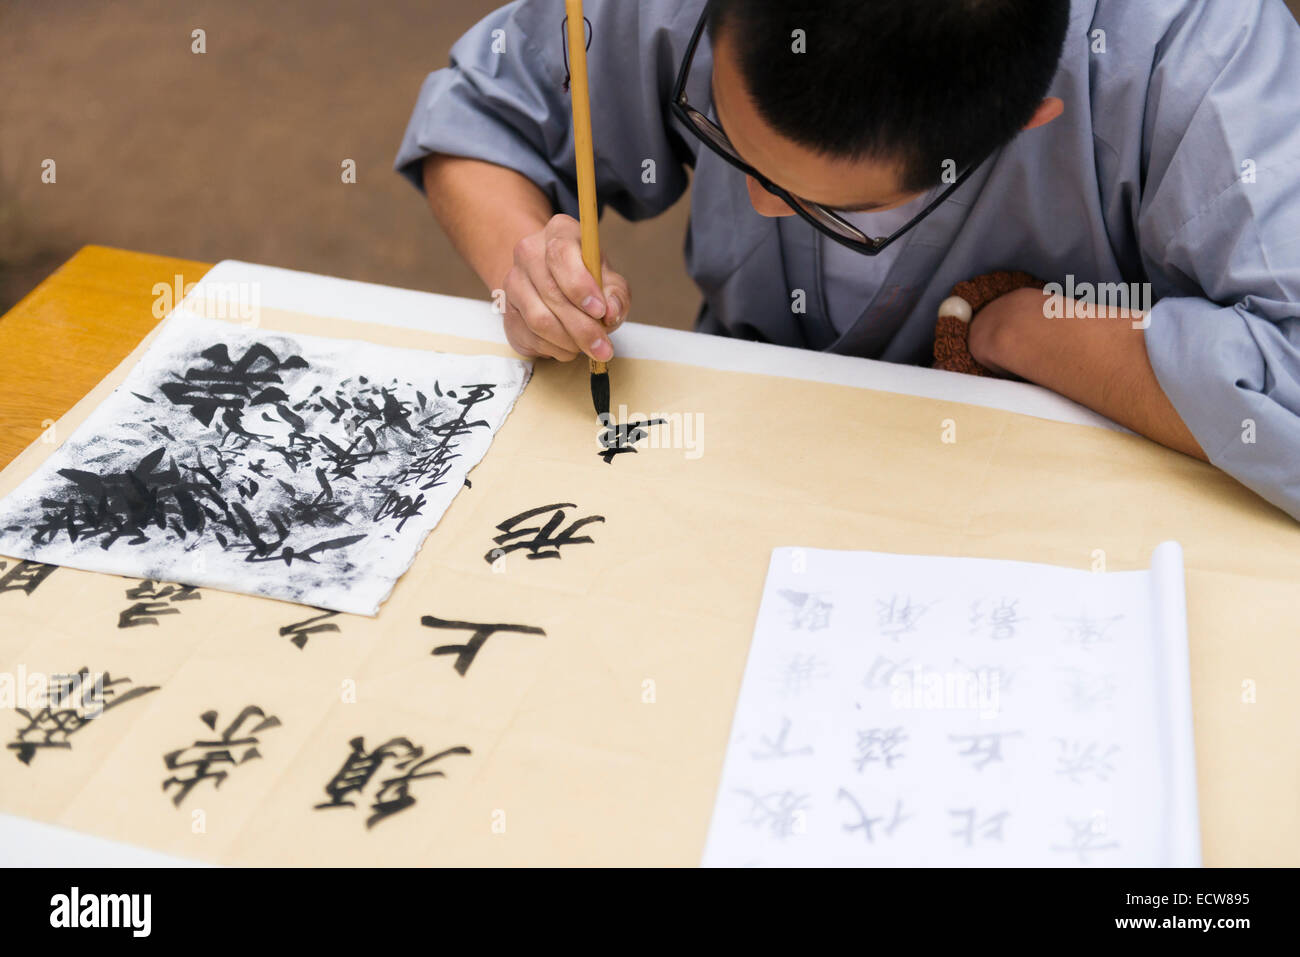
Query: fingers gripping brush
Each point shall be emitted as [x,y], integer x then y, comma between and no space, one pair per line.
[585,161]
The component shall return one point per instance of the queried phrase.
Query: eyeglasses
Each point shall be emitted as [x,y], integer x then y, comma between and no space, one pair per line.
[823,219]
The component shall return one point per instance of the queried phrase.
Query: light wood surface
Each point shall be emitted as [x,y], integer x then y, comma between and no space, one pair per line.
[72,329]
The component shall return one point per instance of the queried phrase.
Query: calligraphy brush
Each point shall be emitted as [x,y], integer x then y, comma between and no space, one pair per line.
[585,161]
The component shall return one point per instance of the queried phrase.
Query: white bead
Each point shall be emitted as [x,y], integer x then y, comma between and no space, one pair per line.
[956,307]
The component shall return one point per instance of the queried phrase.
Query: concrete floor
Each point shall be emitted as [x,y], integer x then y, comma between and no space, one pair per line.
[236,153]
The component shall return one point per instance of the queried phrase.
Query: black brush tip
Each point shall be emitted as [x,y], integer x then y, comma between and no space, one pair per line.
[600,394]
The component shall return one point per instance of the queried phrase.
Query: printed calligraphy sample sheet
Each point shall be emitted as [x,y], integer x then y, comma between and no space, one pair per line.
[906,710]
[295,467]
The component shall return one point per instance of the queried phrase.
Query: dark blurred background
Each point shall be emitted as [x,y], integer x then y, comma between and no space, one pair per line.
[236,153]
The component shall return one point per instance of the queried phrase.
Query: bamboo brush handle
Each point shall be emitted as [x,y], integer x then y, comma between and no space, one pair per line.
[583,147]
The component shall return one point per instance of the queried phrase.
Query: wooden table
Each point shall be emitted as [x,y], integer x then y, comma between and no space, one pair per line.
[73,328]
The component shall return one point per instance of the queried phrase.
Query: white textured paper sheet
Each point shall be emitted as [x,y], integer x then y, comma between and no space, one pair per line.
[290,466]
[908,710]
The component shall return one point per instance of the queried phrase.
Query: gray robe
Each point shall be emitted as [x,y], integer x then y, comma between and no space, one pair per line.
[1176,163]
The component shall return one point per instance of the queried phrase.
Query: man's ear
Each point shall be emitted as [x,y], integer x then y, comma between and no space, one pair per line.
[1048,110]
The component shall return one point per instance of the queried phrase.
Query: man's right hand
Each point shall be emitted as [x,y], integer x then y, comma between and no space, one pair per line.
[553,305]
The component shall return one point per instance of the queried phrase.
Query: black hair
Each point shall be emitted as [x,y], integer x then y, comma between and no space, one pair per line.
[915,82]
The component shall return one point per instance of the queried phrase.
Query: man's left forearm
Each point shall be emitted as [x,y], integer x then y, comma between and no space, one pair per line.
[1099,362]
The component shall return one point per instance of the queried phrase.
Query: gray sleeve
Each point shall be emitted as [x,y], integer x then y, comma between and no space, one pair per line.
[503,100]
[1220,232]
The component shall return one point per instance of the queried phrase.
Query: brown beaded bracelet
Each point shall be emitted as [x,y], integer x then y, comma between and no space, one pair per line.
[952,329]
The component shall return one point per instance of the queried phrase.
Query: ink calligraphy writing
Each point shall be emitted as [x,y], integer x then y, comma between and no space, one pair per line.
[393,793]
[212,759]
[466,653]
[63,715]
[541,540]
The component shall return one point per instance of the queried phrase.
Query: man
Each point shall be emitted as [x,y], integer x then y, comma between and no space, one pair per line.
[1154,145]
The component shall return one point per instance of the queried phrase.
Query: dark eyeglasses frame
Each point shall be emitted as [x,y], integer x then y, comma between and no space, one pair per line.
[821,218]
